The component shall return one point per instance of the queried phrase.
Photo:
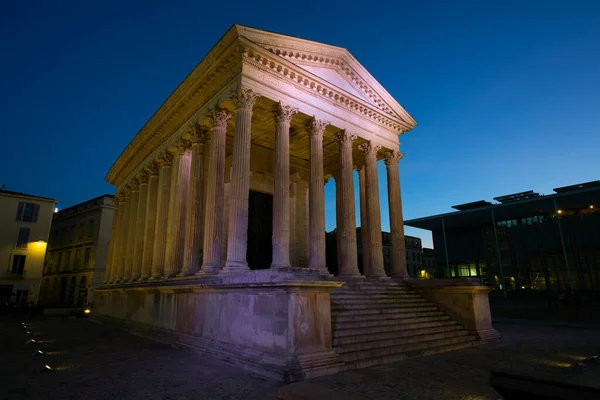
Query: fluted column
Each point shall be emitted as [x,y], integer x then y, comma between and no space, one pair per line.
[192,251]
[237,241]
[140,223]
[131,229]
[215,189]
[364,221]
[281,187]
[301,240]
[113,244]
[347,256]
[162,214]
[123,232]
[316,200]
[177,209]
[150,225]
[376,269]
[392,158]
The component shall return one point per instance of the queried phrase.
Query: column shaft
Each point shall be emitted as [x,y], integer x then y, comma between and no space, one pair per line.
[150,226]
[177,212]
[110,264]
[364,221]
[281,187]
[131,230]
[138,249]
[346,234]
[162,215]
[122,245]
[316,200]
[194,233]
[301,239]
[237,241]
[376,269]
[215,188]
[396,221]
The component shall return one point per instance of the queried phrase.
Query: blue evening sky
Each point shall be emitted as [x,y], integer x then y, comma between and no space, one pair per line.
[506,93]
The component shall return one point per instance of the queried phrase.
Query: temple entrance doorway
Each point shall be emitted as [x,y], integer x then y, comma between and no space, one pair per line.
[260,230]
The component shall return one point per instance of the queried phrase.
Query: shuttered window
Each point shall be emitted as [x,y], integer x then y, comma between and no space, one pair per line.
[18,265]
[28,212]
[23,237]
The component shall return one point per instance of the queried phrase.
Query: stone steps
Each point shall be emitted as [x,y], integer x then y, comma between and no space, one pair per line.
[395,357]
[384,325]
[377,322]
[383,343]
[396,312]
[357,304]
[365,352]
[407,333]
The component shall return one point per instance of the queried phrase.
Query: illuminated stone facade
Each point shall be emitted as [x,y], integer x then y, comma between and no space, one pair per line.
[25,220]
[262,114]
[77,251]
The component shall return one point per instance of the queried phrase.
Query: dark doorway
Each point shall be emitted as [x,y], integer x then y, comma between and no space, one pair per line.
[260,230]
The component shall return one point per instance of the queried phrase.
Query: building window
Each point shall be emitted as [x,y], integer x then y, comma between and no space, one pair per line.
[28,212]
[18,265]
[86,258]
[413,257]
[68,260]
[77,258]
[59,262]
[81,229]
[23,238]
[91,228]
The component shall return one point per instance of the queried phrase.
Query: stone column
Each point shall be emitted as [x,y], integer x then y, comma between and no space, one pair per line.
[237,241]
[180,181]
[346,233]
[131,229]
[194,232]
[376,269]
[162,214]
[392,159]
[364,221]
[150,226]
[215,189]
[316,200]
[110,263]
[123,232]
[138,247]
[281,187]
[301,237]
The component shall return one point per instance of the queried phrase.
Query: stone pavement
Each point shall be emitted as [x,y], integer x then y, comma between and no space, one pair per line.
[95,361]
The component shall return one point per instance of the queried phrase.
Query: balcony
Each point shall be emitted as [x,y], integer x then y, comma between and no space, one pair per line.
[14,274]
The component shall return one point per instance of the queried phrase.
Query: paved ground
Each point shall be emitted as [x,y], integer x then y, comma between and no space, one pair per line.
[99,362]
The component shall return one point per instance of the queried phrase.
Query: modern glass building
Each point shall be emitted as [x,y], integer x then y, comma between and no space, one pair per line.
[522,241]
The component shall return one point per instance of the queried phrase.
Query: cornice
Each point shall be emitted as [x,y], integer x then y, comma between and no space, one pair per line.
[267,61]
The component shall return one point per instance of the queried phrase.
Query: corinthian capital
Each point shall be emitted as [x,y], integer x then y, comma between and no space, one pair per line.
[152,167]
[316,127]
[392,158]
[198,133]
[345,138]
[284,113]
[244,98]
[218,118]
[165,159]
[180,146]
[369,149]
[143,177]
[135,185]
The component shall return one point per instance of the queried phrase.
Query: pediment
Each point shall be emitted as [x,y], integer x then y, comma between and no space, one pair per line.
[331,63]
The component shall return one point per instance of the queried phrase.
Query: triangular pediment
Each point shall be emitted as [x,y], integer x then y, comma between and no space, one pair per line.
[333,64]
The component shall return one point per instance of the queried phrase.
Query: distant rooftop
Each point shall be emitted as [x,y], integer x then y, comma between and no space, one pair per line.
[21,194]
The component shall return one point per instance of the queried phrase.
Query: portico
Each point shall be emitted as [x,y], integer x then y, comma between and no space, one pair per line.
[262,113]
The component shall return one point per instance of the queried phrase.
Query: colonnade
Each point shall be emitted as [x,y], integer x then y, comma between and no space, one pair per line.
[169,218]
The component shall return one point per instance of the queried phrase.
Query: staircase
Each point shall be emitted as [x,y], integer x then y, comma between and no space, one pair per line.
[378,322]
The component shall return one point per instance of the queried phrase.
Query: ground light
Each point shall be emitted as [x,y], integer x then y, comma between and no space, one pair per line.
[38,353]
[30,341]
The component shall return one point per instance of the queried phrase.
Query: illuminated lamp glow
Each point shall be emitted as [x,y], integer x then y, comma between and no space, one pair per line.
[592,206]
[55,209]
[87,311]
[49,368]
[31,341]
[560,211]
